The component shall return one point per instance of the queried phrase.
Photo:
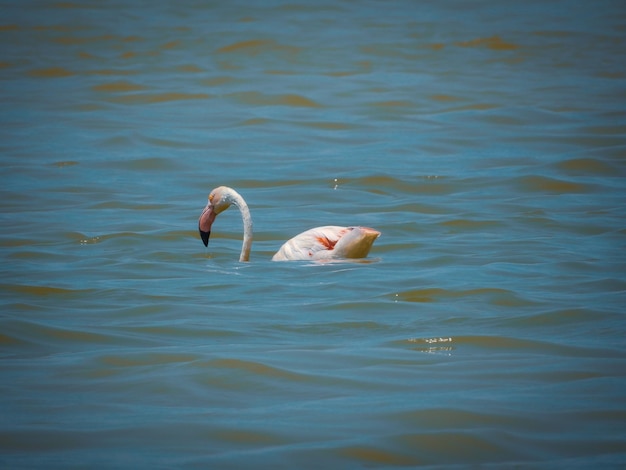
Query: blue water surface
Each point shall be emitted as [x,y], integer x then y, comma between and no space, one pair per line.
[485,140]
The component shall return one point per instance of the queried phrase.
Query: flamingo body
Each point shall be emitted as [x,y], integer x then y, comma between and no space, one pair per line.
[320,243]
[329,242]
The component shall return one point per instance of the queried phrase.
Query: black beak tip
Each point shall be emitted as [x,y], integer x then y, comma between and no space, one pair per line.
[205,237]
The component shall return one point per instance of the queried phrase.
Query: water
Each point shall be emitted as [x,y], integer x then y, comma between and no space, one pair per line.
[485,140]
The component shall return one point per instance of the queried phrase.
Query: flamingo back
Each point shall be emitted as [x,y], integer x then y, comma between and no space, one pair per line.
[328,242]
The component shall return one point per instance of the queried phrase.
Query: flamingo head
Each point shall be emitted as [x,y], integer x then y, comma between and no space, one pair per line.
[219,201]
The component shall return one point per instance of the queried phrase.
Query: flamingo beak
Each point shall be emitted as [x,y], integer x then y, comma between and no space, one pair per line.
[205,237]
[205,222]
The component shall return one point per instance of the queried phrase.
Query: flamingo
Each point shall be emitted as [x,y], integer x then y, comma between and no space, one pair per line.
[320,243]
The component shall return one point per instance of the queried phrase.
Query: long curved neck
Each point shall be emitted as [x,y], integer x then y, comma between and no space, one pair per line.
[239,201]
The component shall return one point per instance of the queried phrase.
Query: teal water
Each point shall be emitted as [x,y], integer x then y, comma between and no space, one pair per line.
[485,140]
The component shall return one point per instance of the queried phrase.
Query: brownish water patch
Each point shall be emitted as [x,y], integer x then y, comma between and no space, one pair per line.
[331,126]
[444,98]
[259,369]
[494,296]
[255,46]
[250,47]
[146,359]
[477,106]
[73,40]
[494,42]
[150,98]
[551,185]
[393,104]
[371,456]
[117,87]
[436,46]
[9,340]
[171,45]
[436,447]
[82,40]
[189,68]
[587,166]
[113,72]
[260,99]
[44,290]
[605,130]
[51,72]
[217,81]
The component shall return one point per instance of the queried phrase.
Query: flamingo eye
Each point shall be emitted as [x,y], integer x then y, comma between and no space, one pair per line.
[211,196]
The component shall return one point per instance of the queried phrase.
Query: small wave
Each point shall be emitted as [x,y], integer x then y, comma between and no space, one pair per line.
[495,43]
[587,166]
[259,369]
[465,224]
[327,125]
[456,418]
[44,291]
[147,359]
[83,40]
[118,87]
[152,98]
[432,345]
[255,98]
[338,328]
[254,47]
[165,333]
[505,344]
[94,239]
[248,437]
[509,344]
[544,184]
[560,317]
[150,163]
[468,447]
[375,456]
[419,185]
[393,104]
[38,335]
[494,296]
[51,72]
